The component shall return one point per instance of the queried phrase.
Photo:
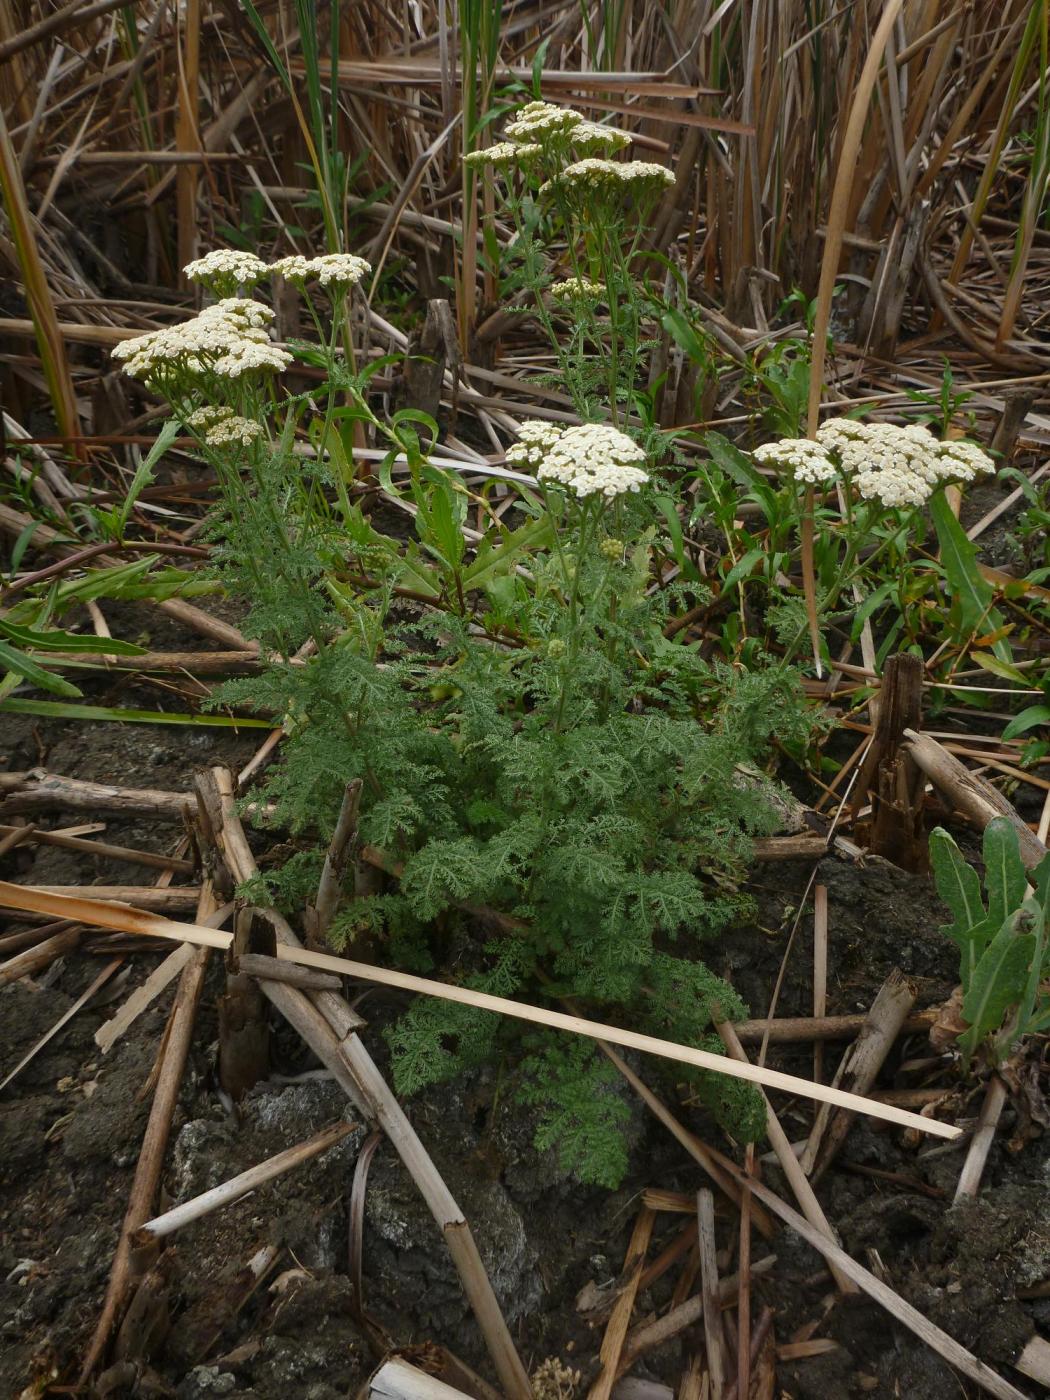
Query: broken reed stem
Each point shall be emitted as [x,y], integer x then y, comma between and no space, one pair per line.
[102,849]
[970,794]
[341,848]
[241,1185]
[654,1334]
[620,1317]
[786,1030]
[859,1068]
[981,1142]
[789,1163]
[758,1341]
[36,958]
[143,1193]
[132,920]
[714,1338]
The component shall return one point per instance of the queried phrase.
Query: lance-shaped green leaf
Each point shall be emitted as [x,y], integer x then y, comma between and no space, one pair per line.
[999,978]
[1004,874]
[957,884]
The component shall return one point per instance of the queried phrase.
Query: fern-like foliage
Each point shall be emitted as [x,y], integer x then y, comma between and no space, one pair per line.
[583,781]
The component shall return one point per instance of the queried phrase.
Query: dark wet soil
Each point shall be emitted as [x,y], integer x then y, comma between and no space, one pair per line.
[71,1125]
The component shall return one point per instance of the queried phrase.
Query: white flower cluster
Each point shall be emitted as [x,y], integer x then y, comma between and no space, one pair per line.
[897,465]
[504,155]
[590,459]
[538,120]
[805,458]
[331,270]
[233,430]
[227,339]
[597,175]
[223,270]
[207,416]
[577,289]
[535,440]
[589,136]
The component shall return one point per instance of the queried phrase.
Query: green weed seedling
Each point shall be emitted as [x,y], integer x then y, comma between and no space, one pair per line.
[1001,938]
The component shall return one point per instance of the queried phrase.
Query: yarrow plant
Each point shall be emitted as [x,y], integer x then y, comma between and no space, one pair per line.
[533,739]
[875,484]
[563,185]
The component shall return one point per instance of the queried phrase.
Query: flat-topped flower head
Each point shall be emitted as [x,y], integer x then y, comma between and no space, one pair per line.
[504,155]
[806,460]
[223,270]
[596,175]
[899,464]
[964,460]
[293,268]
[539,121]
[595,459]
[243,310]
[339,269]
[205,417]
[588,138]
[250,357]
[535,440]
[577,289]
[233,431]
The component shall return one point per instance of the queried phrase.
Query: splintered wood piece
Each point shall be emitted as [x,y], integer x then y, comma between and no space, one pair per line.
[859,1068]
[650,1335]
[788,1030]
[759,1340]
[241,1185]
[714,1338]
[274,970]
[40,791]
[981,1142]
[143,997]
[620,1318]
[397,1380]
[955,1354]
[897,830]
[789,1164]
[1034,1361]
[340,850]
[970,794]
[131,920]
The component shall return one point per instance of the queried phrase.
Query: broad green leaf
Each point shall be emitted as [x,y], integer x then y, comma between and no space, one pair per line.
[492,559]
[972,593]
[744,567]
[998,980]
[1029,718]
[1004,875]
[957,883]
[1004,669]
[742,470]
